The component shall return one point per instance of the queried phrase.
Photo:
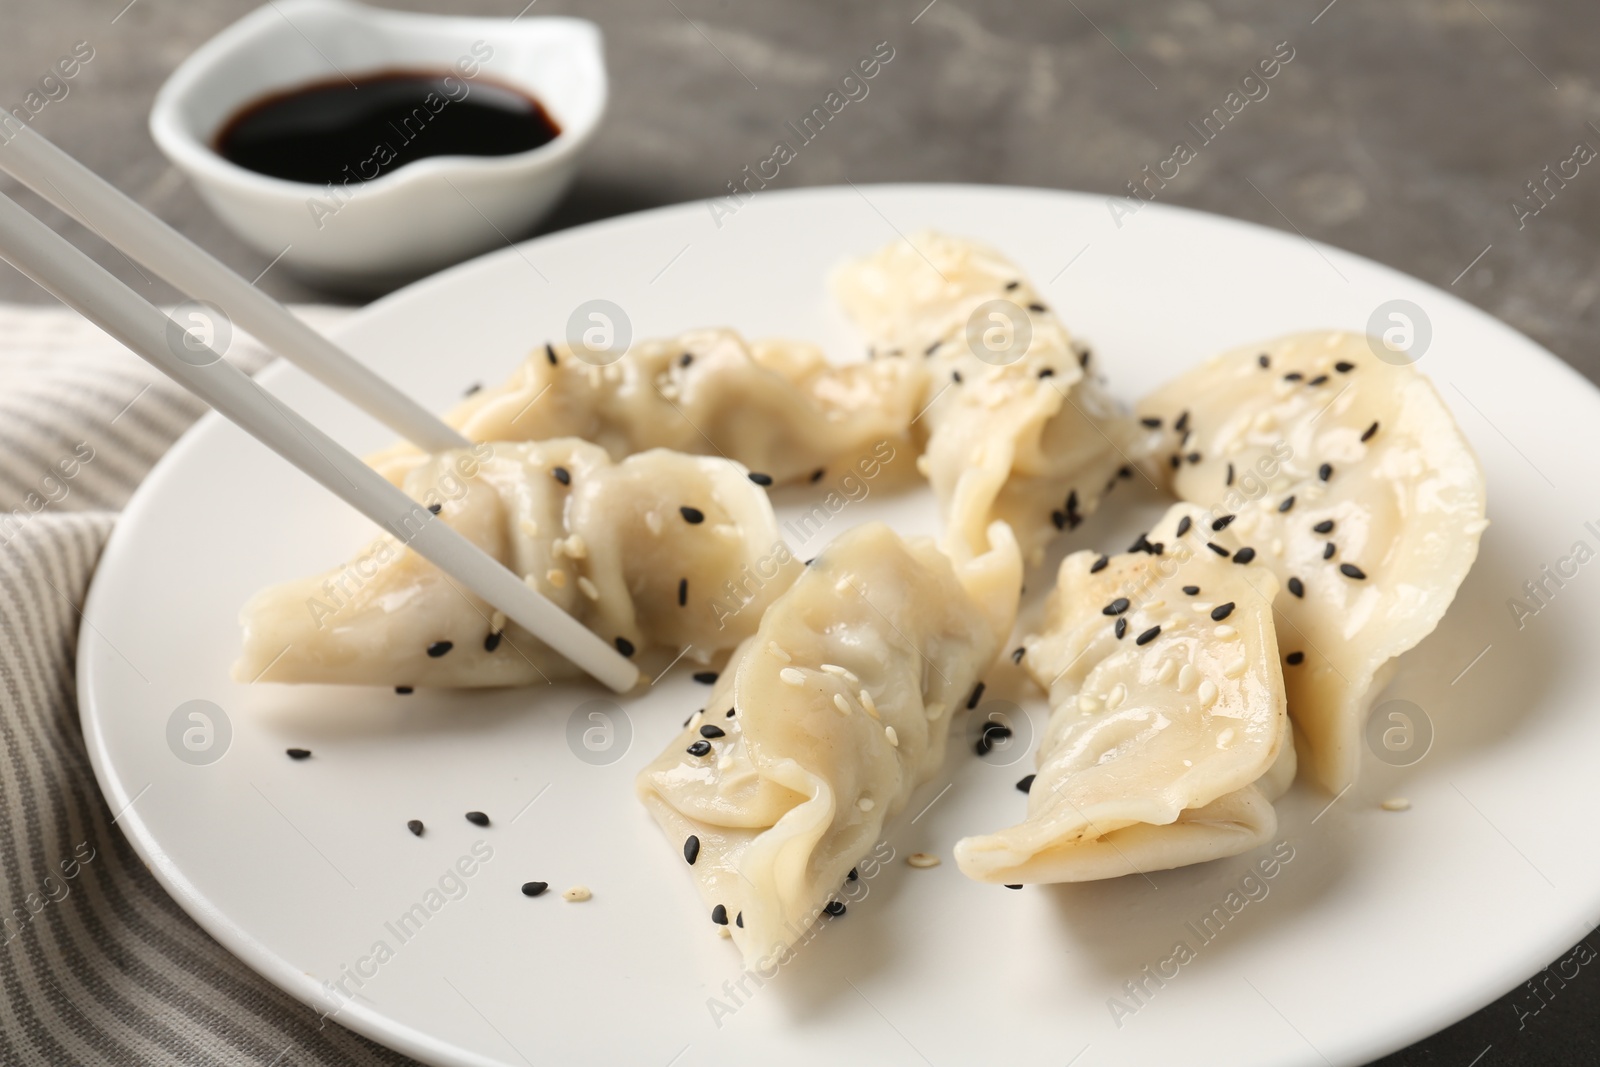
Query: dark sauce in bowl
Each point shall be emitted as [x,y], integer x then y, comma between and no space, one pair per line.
[340,131]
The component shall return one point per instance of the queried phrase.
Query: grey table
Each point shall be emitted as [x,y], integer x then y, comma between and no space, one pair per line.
[1404,131]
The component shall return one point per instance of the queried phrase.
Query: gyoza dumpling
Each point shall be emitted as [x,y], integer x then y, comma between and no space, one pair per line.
[660,549]
[778,407]
[1017,427]
[1167,740]
[825,722]
[1352,480]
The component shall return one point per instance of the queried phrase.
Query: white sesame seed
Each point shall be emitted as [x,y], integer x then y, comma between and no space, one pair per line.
[1155,605]
[777,652]
[497,621]
[556,577]
[841,703]
[865,804]
[868,703]
[588,587]
[1234,668]
[1199,606]
[1225,738]
[1165,671]
[577,547]
[892,737]
[1207,693]
[652,521]
[1396,804]
[577,893]
[1087,703]
[724,761]
[923,860]
[922,466]
[529,527]
[841,585]
[1225,631]
[724,932]
[1118,694]
[1277,546]
[840,672]
[1186,677]
[790,676]
[935,709]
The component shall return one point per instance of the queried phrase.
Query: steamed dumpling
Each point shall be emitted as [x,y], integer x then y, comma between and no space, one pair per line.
[1022,433]
[824,723]
[778,407]
[1168,739]
[660,549]
[1352,481]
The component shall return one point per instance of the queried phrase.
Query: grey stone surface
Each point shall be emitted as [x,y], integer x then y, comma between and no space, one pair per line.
[1402,131]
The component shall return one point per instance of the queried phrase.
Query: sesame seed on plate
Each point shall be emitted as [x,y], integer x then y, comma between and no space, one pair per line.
[922,860]
[1025,783]
[834,907]
[477,818]
[550,353]
[759,478]
[439,648]
[683,592]
[415,826]
[624,646]
[705,677]
[434,509]
[577,894]
[977,695]
[1294,659]
[533,889]
[404,690]
[491,640]
[691,849]
[298,753]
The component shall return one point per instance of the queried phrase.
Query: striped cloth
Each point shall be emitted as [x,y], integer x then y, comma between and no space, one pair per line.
[98,964]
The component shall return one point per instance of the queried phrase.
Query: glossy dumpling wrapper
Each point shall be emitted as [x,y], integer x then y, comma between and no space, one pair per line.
[842,702]
[1024,434]
[1351,479]
[778,407]
[608,542]
[1168,738]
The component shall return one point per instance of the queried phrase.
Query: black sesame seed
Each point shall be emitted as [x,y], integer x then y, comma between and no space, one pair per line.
[1148,636]
[415,826]
[955,376]
[686,359]
[1218,549]
[1121,629]
[1036,307]
[1058,519]
[533,889]
[1221,611]
[834,907]
[977,695]
[1183,525]
[1099,565]
[693,516]
[683,592]
[1287,503]
[738,920]
[1176,461]
[710,730]
[1325,526]
[491,641]
[1016,656]
[1016,886]
[1244,555]
[1264,360]
[404,690]
[434,509]
[473,388]
[705,677]
[719,915]
[699,748]
[1222,523]
[1328,550]
[439,648]
[1047,372]
[1350,570]
[1325,471]
[477,818]
[1183,422]
[1141,545]
[692,714]
[1294,659]
[931,349]
[1297,587]
[298,753]
[1072,501]
[1367,436]
[1025,784]
[1344,368]
[1229,480]
[562,475]
[691,849]
[816,475]
[1116,607]
[550,353]
[1192,590]
[759,478]
[730,713]
[1151,422]
[1155,548]
[1293,376]
[853,875]
[624,646]
[1193,457]
[1320,379]
[1125,471]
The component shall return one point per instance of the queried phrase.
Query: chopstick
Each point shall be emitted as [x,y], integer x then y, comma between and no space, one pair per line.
[125,225]
[88,288]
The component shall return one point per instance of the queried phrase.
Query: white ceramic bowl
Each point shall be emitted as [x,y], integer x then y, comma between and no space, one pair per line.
[414,219]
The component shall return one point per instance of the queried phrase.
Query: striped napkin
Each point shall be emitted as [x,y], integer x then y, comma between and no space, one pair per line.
[98,965]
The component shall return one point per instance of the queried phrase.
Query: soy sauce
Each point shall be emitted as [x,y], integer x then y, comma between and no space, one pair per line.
[340,131]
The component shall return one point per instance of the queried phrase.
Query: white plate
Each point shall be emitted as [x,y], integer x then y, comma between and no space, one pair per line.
[1384,926]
